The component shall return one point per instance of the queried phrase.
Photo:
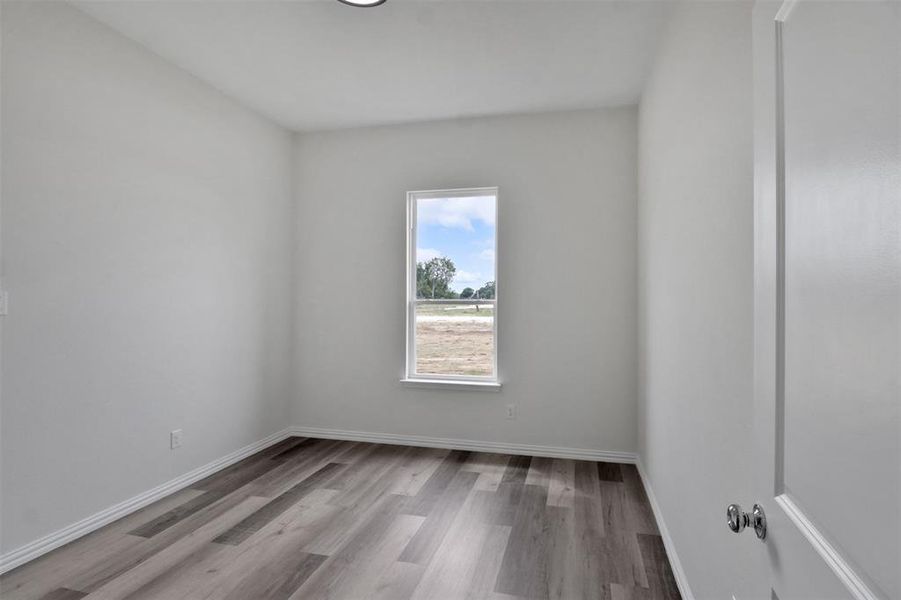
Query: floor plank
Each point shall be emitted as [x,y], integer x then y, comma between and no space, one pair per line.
[562,484]
[64,594]
[660,576]
[517,469]
[272,509]
[426,541]
[127,577]
[270,548]
[524,568]
[314,518]
[373,548]
[436,485]
[639,513]
[609,472]
[44,574]
[540,471]
[277,581]
[468,559]
[417,470]
[177,514]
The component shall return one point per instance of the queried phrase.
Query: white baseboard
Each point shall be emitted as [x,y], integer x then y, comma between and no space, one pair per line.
[675,564]
[32,550]
[474,445]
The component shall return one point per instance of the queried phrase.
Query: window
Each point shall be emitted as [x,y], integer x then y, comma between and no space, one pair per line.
[452,287]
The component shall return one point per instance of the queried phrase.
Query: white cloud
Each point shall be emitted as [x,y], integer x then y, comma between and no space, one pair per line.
[487,255]
[427,254]
[456,212]
[467,277]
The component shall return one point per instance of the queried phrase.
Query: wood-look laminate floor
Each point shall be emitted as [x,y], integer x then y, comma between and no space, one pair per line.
[310,518]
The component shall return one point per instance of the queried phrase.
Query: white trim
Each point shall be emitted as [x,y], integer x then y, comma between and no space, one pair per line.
[779,397]
[832,557]
[452,384]
[474,445]
[675,563]
[770,315]
[455,192]
[411,283]
[32,550]
[785,10]
[452,378]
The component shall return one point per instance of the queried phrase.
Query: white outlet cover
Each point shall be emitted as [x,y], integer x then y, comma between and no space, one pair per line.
[175,439]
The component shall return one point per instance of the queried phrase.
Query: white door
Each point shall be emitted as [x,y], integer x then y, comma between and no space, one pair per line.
[828,297]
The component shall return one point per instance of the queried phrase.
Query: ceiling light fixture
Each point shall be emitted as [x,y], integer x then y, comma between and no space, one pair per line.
[363,3]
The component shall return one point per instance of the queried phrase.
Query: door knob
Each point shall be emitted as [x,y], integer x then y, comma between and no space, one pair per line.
[737,519]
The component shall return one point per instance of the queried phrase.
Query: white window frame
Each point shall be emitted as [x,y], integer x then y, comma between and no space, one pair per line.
[462,381]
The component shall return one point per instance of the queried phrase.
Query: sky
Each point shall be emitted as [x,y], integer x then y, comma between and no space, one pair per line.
[461,229]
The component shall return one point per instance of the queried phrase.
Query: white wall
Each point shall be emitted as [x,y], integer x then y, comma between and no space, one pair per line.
[147,241]
[566,277]
[696,287]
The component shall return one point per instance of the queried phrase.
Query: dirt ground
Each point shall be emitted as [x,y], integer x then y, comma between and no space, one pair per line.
[454,346]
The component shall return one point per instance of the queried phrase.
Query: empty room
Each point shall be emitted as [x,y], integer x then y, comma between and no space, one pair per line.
[450,299]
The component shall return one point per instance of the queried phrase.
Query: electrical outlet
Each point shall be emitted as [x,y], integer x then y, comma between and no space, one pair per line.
[175,439]
[4,303]
[511,411]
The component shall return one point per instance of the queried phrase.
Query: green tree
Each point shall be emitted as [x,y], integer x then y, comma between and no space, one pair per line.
[467,293]
[422,284]
[486,291]
[433,278]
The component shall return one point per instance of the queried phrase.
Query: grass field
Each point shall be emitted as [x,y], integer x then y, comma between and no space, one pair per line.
[455,310]
[454,340]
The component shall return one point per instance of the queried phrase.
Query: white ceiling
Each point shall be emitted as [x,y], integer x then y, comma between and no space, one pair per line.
[318,64]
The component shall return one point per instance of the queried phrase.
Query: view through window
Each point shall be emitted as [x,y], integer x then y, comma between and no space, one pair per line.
[452,288]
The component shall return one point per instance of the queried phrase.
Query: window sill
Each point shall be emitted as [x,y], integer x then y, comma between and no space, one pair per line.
[452,384]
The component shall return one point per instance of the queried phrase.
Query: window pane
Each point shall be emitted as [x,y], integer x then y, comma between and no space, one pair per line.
[454,260]
[455,339]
